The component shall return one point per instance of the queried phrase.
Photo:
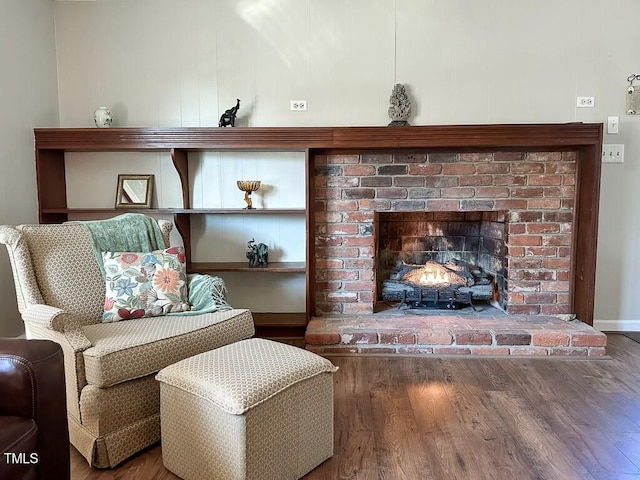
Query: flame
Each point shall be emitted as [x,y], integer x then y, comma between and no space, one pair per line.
[429,277]
[432,274]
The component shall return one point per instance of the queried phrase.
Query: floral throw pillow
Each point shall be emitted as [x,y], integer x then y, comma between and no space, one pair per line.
[145,284]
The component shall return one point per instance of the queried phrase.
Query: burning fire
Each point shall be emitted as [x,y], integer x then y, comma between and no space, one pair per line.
[431,276]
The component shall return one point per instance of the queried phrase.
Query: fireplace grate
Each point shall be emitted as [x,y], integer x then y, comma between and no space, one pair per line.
[436,298]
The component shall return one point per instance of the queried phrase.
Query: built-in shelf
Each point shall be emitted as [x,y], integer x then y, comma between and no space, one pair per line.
[51,144]
[273,267]
[241,211]
[160,211]
[279,319]
[283,326]
[185,211]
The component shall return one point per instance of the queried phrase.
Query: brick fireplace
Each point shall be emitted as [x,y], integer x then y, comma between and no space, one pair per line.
[373,207]
[534,191]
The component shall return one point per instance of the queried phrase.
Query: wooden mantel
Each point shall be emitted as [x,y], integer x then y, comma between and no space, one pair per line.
[584,139]
[299,138]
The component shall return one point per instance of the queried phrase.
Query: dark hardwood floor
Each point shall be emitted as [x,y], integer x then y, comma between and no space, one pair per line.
[470,418]
[633,336]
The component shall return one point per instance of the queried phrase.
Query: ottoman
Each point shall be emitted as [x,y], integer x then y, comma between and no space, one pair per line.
[254,409]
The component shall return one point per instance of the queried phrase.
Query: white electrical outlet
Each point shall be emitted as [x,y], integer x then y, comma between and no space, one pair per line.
[613,153]
[298,105]
[583,102]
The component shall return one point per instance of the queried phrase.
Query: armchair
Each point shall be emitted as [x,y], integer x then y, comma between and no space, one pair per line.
[113,403]
[34,437]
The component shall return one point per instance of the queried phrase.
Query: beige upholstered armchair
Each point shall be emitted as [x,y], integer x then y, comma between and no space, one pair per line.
[112,396]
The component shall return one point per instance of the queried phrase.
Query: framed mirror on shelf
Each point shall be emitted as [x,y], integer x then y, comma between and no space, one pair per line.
[134,191]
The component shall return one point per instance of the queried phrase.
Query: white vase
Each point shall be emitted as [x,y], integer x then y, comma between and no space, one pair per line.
[103,117]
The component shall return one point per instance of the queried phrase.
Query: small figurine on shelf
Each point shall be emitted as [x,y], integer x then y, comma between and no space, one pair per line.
[228,118]
[400,108]
[257,253]
[248,186]
[103,117]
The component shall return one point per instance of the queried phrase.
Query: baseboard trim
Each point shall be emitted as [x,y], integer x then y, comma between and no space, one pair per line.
[617,325]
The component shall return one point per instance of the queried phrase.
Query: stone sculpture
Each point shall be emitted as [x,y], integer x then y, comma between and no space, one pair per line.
[400,108]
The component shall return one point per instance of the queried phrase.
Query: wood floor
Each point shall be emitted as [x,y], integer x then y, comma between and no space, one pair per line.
[633,336]
[470,418]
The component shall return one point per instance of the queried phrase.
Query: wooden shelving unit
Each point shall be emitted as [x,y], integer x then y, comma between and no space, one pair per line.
[51,144]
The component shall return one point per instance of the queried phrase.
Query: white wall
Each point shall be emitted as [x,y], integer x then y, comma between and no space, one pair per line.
[182,63]
[28,98]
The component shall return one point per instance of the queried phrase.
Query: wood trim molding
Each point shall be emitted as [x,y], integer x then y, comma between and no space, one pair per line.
[300,138]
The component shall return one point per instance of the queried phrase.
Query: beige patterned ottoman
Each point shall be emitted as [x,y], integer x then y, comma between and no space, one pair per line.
[254,409]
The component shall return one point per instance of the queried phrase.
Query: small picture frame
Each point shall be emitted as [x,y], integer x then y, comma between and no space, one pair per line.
[134,191]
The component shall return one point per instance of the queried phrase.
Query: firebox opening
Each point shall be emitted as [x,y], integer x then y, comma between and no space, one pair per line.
[451,260]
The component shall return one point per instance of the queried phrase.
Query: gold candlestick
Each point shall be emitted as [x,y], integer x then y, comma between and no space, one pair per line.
[248,186]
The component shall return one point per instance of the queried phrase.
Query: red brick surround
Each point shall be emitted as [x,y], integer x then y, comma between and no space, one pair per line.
[537,189]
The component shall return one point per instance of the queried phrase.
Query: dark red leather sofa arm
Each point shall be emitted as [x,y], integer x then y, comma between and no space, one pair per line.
[32,390]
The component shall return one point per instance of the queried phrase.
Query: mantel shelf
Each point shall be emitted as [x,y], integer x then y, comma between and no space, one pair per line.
[302,138]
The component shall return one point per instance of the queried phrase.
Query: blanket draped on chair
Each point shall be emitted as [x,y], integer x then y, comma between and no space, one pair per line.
[130,232]
[136,232]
